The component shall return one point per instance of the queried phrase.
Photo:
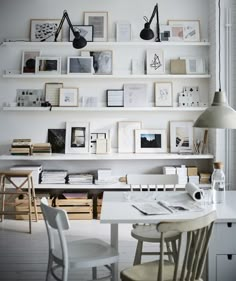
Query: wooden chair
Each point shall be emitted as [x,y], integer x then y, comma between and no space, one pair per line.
[29,193]
[84,253]
[148,232]
[198,235]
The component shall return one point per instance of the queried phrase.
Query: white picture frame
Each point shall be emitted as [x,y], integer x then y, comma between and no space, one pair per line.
[163,94]
[43,30]
[52,93]
[189,30]
[79,65]
[123,31]
[77,137]
[126,135]
[181,136]
[28,64]
[155,61]
[99,20]
[135,95]
[102,62]
[68,97]
[85,30]
[150,141]
[195,65]
[48,65]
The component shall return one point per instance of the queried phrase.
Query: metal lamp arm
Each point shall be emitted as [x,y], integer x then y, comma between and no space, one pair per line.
[155,12]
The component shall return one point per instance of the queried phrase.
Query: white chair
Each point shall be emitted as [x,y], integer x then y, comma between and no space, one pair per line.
[198,235]
[85,253]
[148,232]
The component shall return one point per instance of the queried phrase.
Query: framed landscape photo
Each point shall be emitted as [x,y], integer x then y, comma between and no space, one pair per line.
[163,94]
[68,97]
[77,137]
[155,61]
[29,61]
[181,136]
[188,30]
[102,61]
[43,30]
[48,65]
[85,30]
[79,65]
[150,141]
[99,20]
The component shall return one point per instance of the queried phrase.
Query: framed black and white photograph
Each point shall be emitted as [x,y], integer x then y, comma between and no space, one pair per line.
[77,137]
[188,30]
[163,94]
[29,61]
[99,20]
[123,31]
[155,61]
[56,137]
[79,65]
[102,62]
[115,98]
[43,30]
[165,32]
[150,141]
[68,97]
[85,30]
[181,136]
[48,65]
[52,93]
[29,97]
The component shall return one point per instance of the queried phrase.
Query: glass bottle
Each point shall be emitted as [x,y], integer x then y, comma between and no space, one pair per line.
[218,183]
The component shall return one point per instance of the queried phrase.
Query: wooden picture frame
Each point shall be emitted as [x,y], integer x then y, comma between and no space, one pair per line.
[28,64]
[68,97]
[99,20]
[43,30]
[48,65]
[79,65]
[163,94]
[52,93]
[185,30]
[155,61]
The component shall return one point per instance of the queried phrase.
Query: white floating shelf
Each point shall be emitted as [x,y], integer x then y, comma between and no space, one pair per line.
[112,156]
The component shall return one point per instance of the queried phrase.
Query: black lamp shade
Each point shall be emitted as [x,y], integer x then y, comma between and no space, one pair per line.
[147,33]
[79,42]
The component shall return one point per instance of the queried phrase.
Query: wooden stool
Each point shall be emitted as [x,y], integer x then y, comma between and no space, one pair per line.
[30,194]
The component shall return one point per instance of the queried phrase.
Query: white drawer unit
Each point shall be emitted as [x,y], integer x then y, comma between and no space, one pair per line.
[225,267]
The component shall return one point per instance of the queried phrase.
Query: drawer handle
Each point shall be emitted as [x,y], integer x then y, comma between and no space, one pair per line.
[229,257]
[229,224]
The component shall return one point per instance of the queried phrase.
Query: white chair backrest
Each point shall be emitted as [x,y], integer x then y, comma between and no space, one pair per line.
[149,181]
[198,235]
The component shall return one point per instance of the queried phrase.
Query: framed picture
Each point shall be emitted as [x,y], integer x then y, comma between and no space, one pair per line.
[68,97]
[126,135]
[42,30]
[102,62]
[29,97]
[195,65]
[52,93]
[155,61]
[56,137]
[181,136]
[123,31]
[163,94]
[115,98]
[150,141]
[99,20]
[99,135]
[85,30]
[29,61]
[48,65]
[135,95]
[165,32]
[186,30]
[77,137]
[79,65]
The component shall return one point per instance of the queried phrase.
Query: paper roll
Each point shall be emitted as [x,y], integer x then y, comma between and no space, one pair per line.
[194,191]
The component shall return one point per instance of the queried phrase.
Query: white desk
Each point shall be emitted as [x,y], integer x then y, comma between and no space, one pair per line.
[115,210]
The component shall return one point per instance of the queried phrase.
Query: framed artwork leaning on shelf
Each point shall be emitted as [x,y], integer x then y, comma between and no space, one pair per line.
[48,65]
[43,30]
[77,137]
[123,31]
[99,20]
[29,61]
[85,30]
[68,97]
[102,61]
[155,61]
[56,137]
[52,93]
[185,30]
[163,94]
[79,65]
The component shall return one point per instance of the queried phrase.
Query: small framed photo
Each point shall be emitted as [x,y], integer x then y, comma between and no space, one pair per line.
[126,135]
[155,61]
[165,32]
[123,31]
[181,136]
[68,97]
[99,20]
[185,30]
[43,30]
[77,137]
[48,65]
[79,65]
[56,137]
[163,94]
[150,141]
[102,62]
[195,65]
[52,93]
[85,30]
[29,61]
[115,98]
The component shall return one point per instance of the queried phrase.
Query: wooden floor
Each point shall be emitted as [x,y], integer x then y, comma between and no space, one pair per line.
[23,256]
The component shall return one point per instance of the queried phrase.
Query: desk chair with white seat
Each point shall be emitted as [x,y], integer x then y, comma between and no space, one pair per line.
[84,253]
[148,232]
[198,231]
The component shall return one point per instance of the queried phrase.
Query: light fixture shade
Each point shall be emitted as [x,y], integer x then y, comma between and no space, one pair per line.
[79,42]
[219,115]
[147,33]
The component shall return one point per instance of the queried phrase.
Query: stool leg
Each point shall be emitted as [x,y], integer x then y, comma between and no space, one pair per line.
[29,199]
[34,198]
[3,181]
[138,253]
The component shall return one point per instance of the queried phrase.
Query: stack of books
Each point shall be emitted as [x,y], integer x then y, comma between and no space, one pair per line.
[21,147]
[205,178]
[80,178]
[41,149]
[53,176]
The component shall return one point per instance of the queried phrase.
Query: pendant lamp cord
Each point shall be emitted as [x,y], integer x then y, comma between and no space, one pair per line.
[219,46]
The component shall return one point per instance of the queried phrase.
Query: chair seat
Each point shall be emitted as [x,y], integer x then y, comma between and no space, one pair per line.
[89,253]
[149,233]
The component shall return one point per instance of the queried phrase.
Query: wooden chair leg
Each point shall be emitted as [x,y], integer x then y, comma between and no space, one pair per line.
[34,198]
[169,252]
[138,253]
[3,181]
[29,204]
[174,250]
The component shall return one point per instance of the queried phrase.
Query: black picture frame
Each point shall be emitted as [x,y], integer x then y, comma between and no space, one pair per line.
[87,31]
[56,137]
[115,98]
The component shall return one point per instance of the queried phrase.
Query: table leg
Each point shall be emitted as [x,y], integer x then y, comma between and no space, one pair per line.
[114,243]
